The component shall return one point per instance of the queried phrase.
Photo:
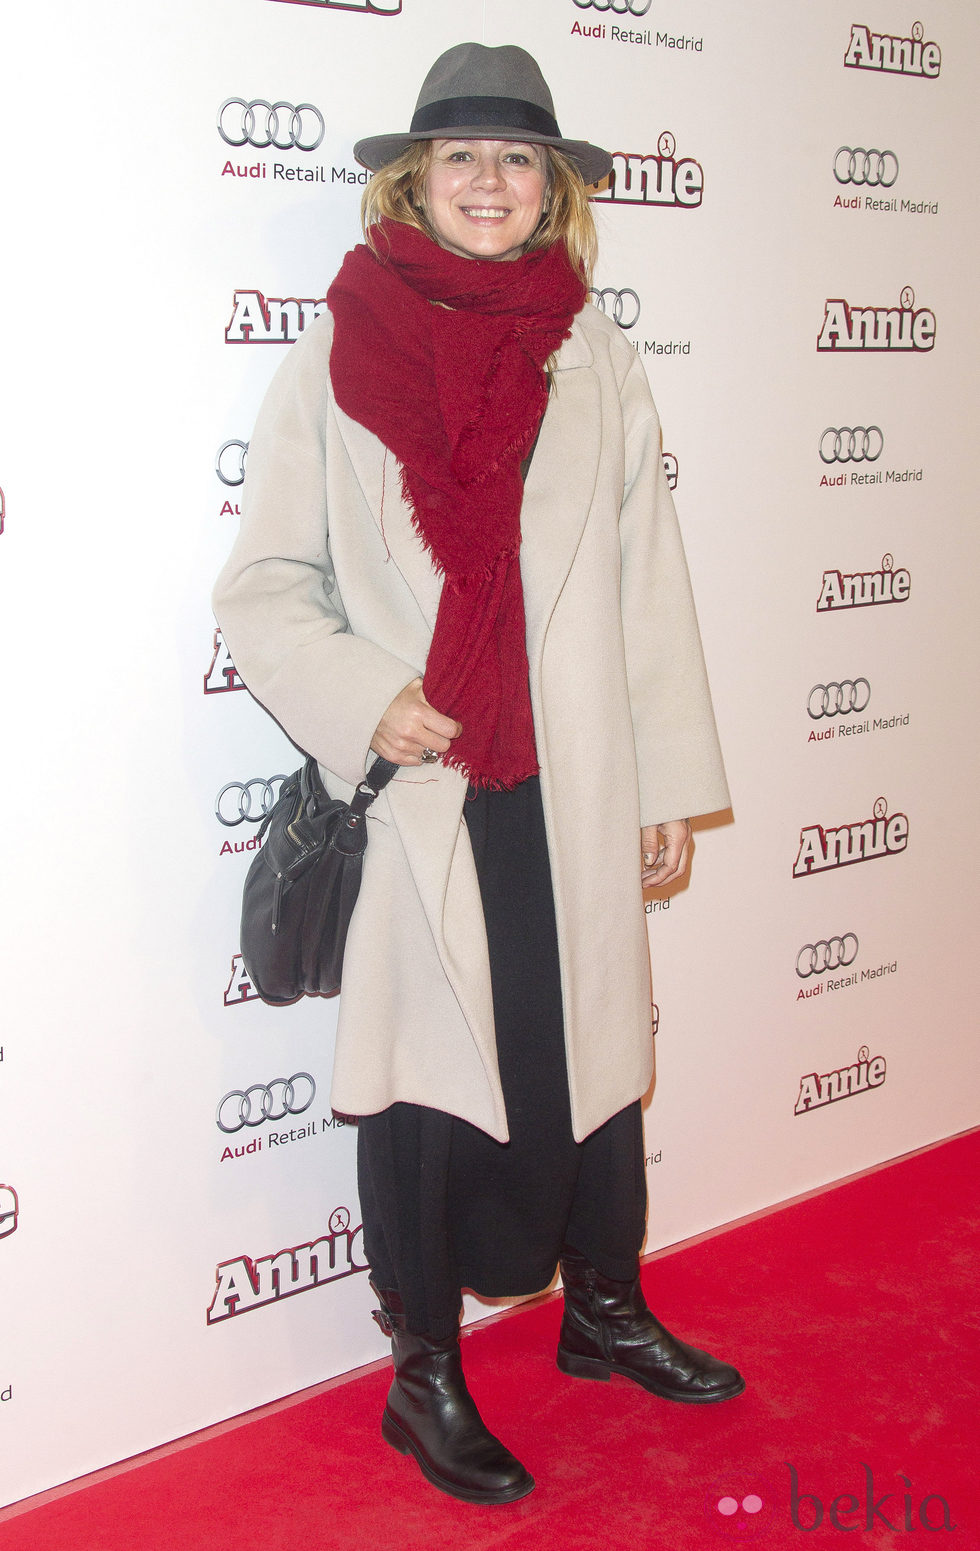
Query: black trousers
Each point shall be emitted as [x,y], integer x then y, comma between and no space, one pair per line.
[444,1205]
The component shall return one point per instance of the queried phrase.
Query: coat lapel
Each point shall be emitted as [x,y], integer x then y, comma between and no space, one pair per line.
[566,460]
[379,476]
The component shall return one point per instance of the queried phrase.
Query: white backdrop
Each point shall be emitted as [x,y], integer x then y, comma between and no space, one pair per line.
[127,1214]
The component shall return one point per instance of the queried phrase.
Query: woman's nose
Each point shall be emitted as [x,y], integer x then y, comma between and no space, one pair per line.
[489,174]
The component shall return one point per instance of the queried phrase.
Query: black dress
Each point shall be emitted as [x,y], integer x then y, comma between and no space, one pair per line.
[444,1205]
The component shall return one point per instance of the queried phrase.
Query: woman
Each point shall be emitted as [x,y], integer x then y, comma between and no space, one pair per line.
[529,656]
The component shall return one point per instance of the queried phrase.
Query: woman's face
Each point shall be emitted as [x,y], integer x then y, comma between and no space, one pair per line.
[483,198]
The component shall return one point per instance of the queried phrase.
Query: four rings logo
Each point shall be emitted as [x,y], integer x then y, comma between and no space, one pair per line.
[877,328]
[3,509]
[370,7]
[838,699]
[618,7]
[229,465]
[898,56]
[261,124]
[814,958]
[239,802]
[661,179]
[274,1101]
[9,1210]
[870,169]
[622,306]
[851,444]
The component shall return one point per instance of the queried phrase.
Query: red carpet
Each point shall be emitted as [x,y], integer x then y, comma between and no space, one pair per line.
[852,1314]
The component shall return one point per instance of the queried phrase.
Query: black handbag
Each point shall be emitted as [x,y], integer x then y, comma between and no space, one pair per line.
[302,886]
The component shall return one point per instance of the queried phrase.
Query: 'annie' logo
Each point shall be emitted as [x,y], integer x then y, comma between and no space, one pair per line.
[271,320]
[244,1284]
[222,674]
[844,1083]
[821,849]
[862,589]
[897,56]
[664,179]
[846,327]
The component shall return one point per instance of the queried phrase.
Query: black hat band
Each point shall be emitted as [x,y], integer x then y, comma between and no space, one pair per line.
[479,112]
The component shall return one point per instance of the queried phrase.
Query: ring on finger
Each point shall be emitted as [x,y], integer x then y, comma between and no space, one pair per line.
[429,756]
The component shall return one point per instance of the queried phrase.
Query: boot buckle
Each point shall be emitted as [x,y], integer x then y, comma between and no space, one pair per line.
[385,1320]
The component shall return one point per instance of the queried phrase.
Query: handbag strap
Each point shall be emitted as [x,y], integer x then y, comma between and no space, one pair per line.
[374,782]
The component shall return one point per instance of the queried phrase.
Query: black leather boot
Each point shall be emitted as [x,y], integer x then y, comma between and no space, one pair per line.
[430,1413]
[607,1328]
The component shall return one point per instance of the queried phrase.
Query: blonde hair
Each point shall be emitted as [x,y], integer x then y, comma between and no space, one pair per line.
[397,193]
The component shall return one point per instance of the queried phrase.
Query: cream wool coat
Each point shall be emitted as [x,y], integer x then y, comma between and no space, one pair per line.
[327,605]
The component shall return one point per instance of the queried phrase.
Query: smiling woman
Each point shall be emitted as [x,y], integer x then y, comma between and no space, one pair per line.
[400,191]
[484,198]
[519,638]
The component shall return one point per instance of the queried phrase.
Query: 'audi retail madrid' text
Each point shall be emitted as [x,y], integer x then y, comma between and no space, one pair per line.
[822,850]
[864,589]
[657,180]
[244,1284]
[632,10]
[271,320]
[869,50]
[846,327]
[816,1090]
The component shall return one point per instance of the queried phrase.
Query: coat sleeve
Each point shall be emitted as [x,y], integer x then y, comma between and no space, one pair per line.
[678,756]
[277,600]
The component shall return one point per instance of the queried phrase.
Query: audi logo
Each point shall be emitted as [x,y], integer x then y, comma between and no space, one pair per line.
[274,1101]
[3,509]
[624,307]
[239,801]
[261,124]
[838,699]
[851,444]
[872,169]
[618,7]
[229,465]
[816,957]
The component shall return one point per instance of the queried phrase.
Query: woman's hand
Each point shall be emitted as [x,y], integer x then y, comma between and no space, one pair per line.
[664,852]
[410,725]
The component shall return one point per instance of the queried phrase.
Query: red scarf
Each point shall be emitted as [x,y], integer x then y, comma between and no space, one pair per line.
[457,393]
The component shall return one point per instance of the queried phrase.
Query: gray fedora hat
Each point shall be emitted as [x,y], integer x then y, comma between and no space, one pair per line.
[474,92]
